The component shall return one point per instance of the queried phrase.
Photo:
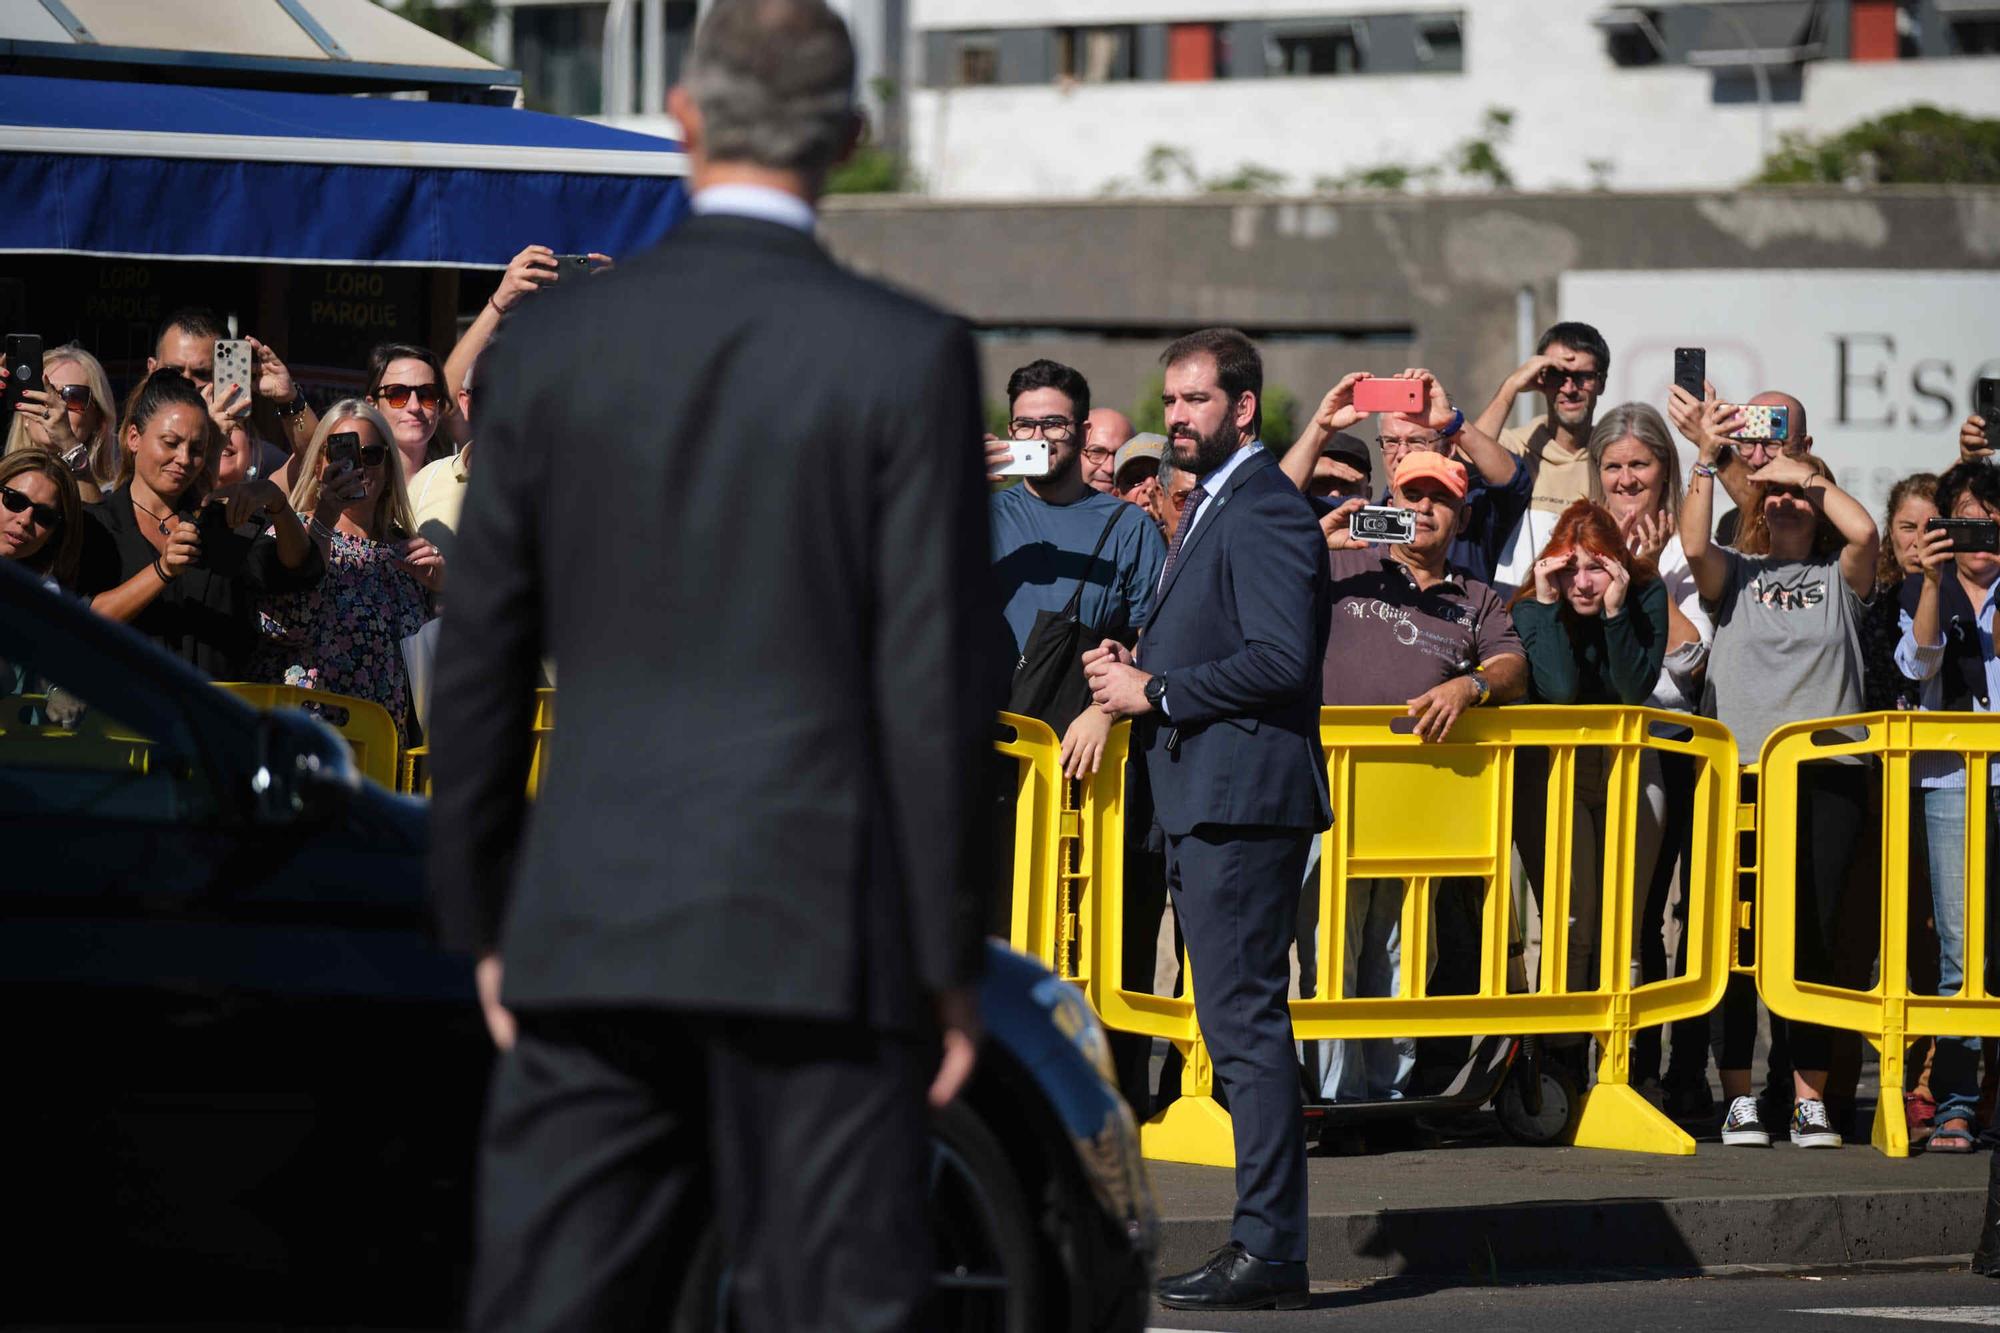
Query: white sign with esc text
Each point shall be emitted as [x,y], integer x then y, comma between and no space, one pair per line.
[1885,361]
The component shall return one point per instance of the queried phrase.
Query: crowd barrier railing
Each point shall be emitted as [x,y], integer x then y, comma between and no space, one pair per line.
[1044,863]
[370,731]
[413,774]
[1886,1014]
[1423,812]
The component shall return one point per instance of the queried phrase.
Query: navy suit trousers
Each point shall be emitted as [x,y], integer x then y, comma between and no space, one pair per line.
[1236,889]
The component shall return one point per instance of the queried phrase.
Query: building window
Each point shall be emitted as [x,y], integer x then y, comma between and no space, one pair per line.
[1096,55]
[975,60]
[1441,44]
[559,50]
[1976,36]
[1301,52]
[1632,36]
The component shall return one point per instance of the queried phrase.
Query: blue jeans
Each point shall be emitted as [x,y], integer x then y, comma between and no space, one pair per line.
[1955,1069]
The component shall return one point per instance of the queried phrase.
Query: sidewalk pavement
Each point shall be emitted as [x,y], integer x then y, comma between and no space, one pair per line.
[1483,1210]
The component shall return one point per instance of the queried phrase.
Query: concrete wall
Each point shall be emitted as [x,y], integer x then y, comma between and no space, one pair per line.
[1333,285]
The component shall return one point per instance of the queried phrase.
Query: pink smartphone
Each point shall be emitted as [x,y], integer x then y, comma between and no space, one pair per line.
[1389,395]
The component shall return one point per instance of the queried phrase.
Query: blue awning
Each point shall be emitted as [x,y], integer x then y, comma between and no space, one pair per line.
[163,171]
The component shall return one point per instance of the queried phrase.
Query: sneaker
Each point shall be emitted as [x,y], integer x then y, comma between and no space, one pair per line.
[1810,1126]
[1742,1128]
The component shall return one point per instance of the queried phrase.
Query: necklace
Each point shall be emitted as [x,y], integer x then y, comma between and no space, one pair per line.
[164,529]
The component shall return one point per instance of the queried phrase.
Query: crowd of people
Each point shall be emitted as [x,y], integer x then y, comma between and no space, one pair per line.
[256,538]
[1576,559]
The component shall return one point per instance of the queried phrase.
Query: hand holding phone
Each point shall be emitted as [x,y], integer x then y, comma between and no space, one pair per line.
[1380,394]
[233,362]
[1976,436]
[1691,370]
[1968,535]
[24,371]
[1383,525]
[343,446]
[1025,458]
[1758,421]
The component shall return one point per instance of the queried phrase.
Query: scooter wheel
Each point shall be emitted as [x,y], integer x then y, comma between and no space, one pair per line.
[1561,1106]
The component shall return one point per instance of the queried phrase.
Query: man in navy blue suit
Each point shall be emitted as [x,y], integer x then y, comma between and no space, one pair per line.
[1225,689]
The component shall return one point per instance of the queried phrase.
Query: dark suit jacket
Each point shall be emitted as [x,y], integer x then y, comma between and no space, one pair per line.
[1239,632]
[735,492]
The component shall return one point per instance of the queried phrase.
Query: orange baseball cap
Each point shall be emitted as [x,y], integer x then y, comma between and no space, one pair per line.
[1437,467]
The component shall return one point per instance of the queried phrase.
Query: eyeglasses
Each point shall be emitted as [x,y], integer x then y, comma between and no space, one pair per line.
[1053,429]
[48,516]
[1435,443]
[75,396]
[1555,377]
[371,455]
[1097,456]
[398,395]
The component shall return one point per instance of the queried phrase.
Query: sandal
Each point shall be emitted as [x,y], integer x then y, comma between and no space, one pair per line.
[1953,1136]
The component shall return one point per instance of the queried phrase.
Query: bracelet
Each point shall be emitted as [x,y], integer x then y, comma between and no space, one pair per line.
[161,570]
[296,408]
[1704,470]
[496,307]
[1457,424]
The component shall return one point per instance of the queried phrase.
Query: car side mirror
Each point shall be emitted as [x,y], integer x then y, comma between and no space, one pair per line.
[305,771]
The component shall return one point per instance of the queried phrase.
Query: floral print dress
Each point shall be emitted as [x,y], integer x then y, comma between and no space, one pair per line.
[346,633]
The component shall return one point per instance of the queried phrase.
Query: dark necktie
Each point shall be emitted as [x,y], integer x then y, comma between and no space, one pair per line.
[1188,512]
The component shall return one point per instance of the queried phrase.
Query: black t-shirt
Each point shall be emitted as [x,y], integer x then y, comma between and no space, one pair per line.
[207,616]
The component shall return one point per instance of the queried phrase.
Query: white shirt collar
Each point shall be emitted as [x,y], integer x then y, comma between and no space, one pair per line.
[757,201]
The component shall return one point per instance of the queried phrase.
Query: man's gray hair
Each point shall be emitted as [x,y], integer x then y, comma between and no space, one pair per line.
[1167,468]
[774,80]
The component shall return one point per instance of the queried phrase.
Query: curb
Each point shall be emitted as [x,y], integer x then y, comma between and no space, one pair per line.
[1646,1237]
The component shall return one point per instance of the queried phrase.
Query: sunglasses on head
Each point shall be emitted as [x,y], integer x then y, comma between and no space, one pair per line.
[47,516]
[398,395]
[74,395]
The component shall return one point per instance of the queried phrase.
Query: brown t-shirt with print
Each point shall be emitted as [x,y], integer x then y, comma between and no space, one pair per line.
[1391,640]
[1562,474]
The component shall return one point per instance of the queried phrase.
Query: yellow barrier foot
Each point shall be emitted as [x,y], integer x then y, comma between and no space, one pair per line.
[1616,1116]
[1194,1130]
[1892,1128]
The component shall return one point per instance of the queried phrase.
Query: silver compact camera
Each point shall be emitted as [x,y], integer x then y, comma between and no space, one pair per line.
[1380,523]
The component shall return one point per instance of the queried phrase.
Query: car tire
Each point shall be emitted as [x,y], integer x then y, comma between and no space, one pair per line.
[987,1275]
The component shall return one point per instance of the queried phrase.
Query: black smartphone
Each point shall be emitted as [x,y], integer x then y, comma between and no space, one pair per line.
[344,446]
[1969,534]
[24,370]
[223,551]
[572,266]
[1691,369]
[1986,406]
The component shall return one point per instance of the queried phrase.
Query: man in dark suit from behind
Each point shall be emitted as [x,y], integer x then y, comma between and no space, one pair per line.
[1226,691]
[740,920]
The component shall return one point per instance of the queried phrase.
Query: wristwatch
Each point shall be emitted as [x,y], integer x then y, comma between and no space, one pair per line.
[1457,424]
[1156,690]
[1478,679]
[296,407]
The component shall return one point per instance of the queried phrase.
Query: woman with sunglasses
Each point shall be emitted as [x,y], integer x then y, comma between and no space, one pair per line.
[180,559]
[71,418]
[406,385]
[382,580]
[1788,602]
[41,515]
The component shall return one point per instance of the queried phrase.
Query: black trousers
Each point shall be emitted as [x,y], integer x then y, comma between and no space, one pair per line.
[613,1136]
[1237,892]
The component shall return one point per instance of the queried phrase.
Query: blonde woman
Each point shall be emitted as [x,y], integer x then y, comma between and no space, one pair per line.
[381,582]
[73,418]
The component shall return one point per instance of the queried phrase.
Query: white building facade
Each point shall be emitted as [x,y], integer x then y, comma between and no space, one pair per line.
[1037,99]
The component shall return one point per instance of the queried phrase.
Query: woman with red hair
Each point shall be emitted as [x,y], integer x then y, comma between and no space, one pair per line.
[1594,623]
[1594,620]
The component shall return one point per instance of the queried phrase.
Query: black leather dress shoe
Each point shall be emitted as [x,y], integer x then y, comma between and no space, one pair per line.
[1235,1279]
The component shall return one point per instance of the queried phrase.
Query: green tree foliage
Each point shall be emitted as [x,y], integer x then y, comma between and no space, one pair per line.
[466,23]
[1918,145]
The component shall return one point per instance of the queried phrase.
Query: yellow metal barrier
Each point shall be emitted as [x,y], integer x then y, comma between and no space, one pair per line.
[93,742]
[1042,918]
[415,778]
[1887,1015]
[1419,812]
[369,730]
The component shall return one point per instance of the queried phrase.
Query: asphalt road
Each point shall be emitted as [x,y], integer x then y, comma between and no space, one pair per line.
[1862,1302]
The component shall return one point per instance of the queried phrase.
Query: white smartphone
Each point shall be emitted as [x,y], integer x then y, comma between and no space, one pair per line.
[232,365]
[1028,458]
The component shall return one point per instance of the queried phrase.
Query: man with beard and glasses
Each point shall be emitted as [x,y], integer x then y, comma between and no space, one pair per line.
[1568,368]
[1226,689]
[1045,529]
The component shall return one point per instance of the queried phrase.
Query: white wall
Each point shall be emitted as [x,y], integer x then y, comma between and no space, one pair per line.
[1657,126]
